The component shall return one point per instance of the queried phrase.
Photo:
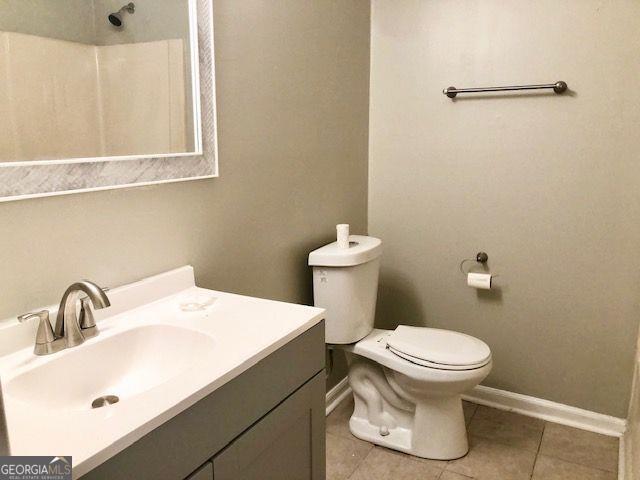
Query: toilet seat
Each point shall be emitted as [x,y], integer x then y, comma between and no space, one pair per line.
[436,348]
[374,347]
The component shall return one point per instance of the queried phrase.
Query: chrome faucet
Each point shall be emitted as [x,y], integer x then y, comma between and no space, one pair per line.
[69,330]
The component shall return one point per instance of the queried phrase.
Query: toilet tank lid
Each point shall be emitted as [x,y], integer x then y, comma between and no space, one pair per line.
[361,249]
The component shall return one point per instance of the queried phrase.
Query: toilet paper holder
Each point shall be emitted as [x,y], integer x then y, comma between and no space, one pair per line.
[481,257]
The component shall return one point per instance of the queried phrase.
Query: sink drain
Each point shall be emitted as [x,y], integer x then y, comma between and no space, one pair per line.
[105,400]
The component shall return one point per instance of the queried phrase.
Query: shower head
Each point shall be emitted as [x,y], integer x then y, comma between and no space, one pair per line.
[115,18]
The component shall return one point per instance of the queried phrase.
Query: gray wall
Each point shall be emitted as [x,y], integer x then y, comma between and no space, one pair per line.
[546,185]
[71,20]
[293,93]
[152,20]
[86,21]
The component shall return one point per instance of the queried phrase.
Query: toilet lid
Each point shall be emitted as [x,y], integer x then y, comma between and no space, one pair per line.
[436,348]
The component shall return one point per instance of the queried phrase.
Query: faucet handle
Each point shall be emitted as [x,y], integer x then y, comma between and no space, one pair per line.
[45,335]
[28,316]
[86,319]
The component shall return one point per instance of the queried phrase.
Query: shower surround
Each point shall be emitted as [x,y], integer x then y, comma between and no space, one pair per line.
[61,99]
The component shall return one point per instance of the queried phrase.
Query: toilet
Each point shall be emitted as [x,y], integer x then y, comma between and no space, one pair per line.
[406,382]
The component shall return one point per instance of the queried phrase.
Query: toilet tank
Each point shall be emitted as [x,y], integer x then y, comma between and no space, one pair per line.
[345,283]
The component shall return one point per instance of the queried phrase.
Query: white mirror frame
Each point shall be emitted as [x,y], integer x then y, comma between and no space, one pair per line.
[41,179]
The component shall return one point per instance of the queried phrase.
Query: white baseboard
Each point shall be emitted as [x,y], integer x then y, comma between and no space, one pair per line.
[547,410]
[522,404]
[337,394]
[624,470]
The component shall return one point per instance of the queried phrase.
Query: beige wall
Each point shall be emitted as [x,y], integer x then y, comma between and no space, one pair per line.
[293,107]
[546,185]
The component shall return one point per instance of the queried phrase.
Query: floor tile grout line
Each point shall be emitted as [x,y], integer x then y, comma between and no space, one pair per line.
[502,442]
[409,457]
[475,410]
[530,423]
[535,460]
[405,457]
[359,464]
[579,464]
[554,456]
[500,422]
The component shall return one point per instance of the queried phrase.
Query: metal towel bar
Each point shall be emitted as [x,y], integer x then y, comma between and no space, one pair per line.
[558,87]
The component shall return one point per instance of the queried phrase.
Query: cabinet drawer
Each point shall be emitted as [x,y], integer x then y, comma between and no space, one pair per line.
[289,442]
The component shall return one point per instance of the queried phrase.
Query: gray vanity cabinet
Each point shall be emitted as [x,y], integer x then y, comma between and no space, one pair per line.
[266,424]
[286,444]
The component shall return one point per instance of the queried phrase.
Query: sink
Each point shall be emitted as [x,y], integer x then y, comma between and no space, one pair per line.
[164,345]
[111,369]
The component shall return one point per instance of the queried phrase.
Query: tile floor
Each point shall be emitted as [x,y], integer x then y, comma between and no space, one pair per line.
[504,446]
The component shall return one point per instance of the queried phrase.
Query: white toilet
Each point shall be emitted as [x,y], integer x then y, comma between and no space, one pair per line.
[406,382]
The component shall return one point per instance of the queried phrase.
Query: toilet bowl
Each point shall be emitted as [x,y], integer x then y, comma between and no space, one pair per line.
[407,406]
[406,382]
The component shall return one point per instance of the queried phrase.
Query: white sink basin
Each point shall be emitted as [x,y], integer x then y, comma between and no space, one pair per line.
[157,356]
[125,364]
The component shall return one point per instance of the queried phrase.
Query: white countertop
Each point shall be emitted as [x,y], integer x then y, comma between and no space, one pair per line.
[243,331]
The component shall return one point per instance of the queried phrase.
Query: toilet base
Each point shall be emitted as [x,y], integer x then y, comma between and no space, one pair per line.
[437,432]
[419,418]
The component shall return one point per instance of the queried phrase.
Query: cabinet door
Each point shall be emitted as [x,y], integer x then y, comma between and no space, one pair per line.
[203,473]
[286,444]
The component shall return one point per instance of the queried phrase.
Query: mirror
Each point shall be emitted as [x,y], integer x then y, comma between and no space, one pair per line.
[81,79]
[87,84]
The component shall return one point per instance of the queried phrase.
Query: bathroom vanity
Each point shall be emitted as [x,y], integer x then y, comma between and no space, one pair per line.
[208,385]
[267,423]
